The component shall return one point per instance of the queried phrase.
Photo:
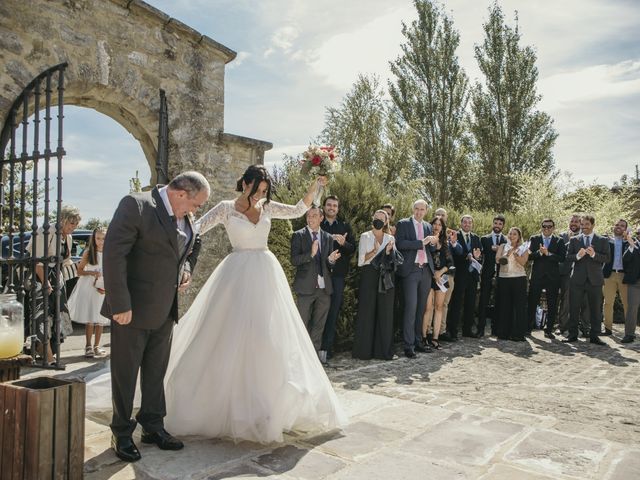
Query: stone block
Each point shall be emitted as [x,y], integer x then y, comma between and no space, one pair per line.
[466,439]
[559,454]
[507,472]
[299,463]
[357,440]
[626,466]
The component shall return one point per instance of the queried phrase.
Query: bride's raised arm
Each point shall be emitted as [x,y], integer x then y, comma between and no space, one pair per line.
[284,211]
[213,217]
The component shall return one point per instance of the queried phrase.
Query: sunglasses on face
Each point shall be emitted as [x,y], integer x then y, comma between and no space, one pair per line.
[547,226]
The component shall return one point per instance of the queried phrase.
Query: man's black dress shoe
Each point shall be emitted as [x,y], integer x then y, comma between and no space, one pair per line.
[607,332]
[549,335]
[125,449]
[162,439]
[627,339]
[570,339]
[409,353]
[596,341]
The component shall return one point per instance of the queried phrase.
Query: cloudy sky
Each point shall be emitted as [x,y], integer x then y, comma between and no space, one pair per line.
[296,57]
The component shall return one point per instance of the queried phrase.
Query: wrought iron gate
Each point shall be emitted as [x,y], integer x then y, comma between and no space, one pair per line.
[29,159]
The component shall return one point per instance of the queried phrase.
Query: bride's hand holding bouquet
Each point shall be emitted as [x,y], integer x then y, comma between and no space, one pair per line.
[314,192]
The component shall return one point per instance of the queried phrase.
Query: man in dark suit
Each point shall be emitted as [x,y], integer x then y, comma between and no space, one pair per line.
[547,252]
[344,242]
[490,244]
[463,300]
[565,273]
[413,240]
[313,256]
[149,253]
[613,272]
[588,252]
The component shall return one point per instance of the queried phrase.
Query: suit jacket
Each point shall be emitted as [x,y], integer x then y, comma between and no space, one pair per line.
[408,245]
[631,262]
[566,266]
[489,267]
[460,257]
[546,266]
[341,268]
[588,268]
[608,267]
[306,277]
[141,263]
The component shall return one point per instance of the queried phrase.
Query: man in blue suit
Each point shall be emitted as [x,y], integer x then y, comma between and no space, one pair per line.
[413,240]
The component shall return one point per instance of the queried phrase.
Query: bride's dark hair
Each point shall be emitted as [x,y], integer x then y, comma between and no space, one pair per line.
[256,174]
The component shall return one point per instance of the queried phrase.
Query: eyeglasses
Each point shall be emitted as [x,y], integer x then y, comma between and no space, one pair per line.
[547,226]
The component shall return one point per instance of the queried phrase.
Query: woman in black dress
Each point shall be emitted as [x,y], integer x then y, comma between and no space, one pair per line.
[373,335]
[442,262]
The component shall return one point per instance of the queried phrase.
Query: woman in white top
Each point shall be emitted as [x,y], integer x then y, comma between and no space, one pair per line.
[512,288]
[373,332]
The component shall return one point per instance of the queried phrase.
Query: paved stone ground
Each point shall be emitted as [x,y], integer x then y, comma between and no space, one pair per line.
[478,409]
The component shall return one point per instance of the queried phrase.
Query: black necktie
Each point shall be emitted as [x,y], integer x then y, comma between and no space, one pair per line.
[317,257]
[587,241]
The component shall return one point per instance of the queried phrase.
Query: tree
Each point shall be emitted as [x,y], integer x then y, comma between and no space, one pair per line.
[431,95]
[94,223]
[356,128]
[511,136]
[14,175]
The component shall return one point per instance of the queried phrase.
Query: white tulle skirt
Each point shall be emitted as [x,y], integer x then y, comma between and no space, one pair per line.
[242,364]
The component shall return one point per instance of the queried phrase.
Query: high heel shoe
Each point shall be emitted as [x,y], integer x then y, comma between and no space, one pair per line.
[435,344]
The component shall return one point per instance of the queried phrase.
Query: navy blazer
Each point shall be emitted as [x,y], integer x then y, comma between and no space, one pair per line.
[631,262]
[608,267]
[460,256]
[546,265]
[408,244]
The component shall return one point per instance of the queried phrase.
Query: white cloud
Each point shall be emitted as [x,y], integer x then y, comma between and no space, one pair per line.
[282,40]
[239,60]
[83,165]
[590,83]
[367,49]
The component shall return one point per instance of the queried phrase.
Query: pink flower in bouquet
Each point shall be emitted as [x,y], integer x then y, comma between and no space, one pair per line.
[316,161]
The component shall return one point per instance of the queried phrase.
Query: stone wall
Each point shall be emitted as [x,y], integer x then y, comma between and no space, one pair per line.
[120,53]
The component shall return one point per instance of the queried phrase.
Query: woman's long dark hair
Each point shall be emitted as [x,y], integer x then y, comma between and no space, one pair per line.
[256,174]
[93,248]
[443,233]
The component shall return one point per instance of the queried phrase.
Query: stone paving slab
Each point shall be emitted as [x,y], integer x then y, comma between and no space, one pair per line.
[626,466]
[559,454]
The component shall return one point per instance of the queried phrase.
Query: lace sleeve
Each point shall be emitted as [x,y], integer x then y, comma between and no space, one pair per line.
[213,217]
[281,210]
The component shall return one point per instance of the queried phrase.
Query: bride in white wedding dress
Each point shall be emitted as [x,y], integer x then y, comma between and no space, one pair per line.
[242,364]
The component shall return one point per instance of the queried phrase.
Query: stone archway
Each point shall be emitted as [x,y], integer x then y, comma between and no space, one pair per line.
[120,53]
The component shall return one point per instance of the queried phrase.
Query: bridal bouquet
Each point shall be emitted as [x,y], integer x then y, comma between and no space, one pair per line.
[319,161]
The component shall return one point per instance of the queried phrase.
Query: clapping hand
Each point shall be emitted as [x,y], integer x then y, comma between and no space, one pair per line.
[314,248]
[185,282]
[544,250]
[582,252]
[453,235]
[431,239]
[334,256]
[339,238]
[390,246]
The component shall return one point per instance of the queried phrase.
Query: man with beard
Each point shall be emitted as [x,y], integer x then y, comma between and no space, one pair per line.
[588,252]
[343,241]
[565,274]
[490,244]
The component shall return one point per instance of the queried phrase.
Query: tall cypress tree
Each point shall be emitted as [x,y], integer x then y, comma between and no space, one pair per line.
[431,93]
[511,136]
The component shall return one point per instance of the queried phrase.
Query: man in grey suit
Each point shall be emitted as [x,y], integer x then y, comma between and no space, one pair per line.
[312,255]
[413,240]
[588,252]
[149,253]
